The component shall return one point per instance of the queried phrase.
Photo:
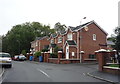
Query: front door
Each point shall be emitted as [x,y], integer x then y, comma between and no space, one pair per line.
[67,52]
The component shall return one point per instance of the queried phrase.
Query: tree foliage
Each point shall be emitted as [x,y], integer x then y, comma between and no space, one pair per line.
[20,36]
[23,52]
[117,42]
[59,27]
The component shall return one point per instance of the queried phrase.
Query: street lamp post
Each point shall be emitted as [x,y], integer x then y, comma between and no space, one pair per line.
[81,41]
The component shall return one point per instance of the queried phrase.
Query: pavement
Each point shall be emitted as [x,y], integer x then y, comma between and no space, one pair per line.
[112,78]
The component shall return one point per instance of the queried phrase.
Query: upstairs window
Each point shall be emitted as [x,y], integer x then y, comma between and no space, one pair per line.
[69,36]
[52,41]
[59,39]
[94,37]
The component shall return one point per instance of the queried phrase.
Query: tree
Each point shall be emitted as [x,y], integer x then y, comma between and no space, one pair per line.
[117,42]
[20,36]
[112,38]
[59,27]
[23,52]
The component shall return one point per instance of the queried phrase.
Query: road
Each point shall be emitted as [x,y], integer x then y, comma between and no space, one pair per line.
[26,71]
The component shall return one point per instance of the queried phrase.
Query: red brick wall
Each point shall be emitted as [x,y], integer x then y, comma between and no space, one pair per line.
[43,42]
[88,44]
[72,49]
[74,36]
[37,47]
[60,45]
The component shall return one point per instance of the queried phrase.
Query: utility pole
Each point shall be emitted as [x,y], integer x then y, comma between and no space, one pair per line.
[81,40]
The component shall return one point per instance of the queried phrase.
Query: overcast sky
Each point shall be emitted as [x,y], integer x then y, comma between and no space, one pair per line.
[68,12]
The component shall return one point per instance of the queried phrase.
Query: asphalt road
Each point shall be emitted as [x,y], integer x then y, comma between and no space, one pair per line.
[26,71]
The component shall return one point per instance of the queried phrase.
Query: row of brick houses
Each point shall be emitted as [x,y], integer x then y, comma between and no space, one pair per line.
[39,43]
[79,42]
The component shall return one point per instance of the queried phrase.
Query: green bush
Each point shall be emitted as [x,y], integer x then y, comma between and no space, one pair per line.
[37,54]
[53,55]
[23,52]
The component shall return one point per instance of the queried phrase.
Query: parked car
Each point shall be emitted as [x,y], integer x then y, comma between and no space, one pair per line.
[16,58]
[19,58]
[5,59]
[22,58]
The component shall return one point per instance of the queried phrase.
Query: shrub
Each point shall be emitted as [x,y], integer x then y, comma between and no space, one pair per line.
[37,54]
[53,55]
[23,52]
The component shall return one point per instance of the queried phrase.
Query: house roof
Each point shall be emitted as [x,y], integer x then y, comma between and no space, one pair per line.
[71,42]
[37,38]
[54,35]
[77,27]
[72,28]
[62,32]
[40,38]
[88,23]
[83,25]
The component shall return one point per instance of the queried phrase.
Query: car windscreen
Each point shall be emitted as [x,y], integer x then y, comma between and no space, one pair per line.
[5,55]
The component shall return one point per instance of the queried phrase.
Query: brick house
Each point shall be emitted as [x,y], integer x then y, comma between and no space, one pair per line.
[81,42]
[40,43]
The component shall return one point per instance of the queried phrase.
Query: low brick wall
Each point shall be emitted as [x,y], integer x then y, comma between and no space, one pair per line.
[90,60]
[68,61]
[53,60]
[65,62]
[111,70]
[62,61]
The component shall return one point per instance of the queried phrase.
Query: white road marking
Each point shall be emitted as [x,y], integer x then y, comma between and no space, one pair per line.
[43,72]
[1,78]
[84,74]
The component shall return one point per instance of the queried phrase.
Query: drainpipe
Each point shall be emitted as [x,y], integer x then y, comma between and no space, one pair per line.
[77,45]
[80,46]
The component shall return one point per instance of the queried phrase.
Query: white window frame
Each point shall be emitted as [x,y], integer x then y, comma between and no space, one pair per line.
[52,41]
[59,39]
[69,36]
[94,37]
